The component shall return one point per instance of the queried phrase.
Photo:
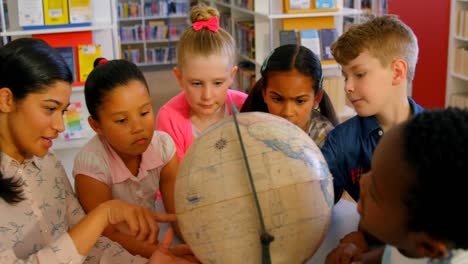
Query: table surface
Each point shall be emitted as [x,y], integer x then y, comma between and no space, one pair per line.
[345,219]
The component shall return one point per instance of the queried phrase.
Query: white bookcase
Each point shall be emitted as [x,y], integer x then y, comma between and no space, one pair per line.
[457,77]
[104,31]
[149,29]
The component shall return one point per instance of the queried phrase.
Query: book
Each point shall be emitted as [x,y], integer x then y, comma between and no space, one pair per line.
[310,39]
[465,25]
[246,79]
[459,100]
[348,3]
[347,22]
[288,37]
[334,86]
[30,13]
[55,12]
[80,11]
[460,22]
[299,4]
[327,37]
[464,61]
[324,4]
[87,54]
[68,53]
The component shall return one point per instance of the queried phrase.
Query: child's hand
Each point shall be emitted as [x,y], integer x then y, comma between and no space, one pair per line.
[164,254]
[135,220]
[185,252]
[351,248]
[344,253]
[357,238]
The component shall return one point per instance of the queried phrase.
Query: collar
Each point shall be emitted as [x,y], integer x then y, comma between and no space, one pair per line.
[370,123]
[9,166]
[150,160]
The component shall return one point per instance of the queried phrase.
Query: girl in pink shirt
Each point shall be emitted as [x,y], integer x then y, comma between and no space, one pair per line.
[205,71]
[127,159]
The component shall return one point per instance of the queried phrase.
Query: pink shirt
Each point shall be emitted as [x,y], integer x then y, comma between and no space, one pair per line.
[174,118]
[35,230]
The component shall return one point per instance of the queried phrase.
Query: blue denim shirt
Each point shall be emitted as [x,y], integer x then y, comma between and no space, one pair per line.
[348,150]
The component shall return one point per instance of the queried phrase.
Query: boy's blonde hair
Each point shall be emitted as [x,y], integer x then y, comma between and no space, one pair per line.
[385,38]
[204,42]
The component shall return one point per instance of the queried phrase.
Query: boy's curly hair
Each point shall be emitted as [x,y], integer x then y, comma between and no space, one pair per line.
[435,146]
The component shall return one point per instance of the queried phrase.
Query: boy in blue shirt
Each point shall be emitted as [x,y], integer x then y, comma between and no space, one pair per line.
[378,60]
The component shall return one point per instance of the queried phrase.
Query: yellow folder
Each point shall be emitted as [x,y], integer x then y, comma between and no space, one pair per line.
[55,12]
[86,56]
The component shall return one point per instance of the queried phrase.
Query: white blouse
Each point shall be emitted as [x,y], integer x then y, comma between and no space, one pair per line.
[97,159]
[35,230]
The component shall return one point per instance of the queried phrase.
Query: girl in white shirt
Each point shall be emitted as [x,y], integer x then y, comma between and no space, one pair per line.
[126,159]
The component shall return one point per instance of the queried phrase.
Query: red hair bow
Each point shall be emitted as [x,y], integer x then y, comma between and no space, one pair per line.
[211,24]
[102,61]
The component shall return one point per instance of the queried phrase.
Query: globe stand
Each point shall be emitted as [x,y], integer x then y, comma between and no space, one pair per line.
[265,237]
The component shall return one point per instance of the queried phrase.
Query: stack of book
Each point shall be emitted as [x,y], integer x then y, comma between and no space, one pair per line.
[247,4]
[334,86]
[459,100]
[305,6]
[462,23]
[245,37]
[39,14]
[245,77]
[460,62]
[80,59]
[132,54]
[317,40]
[129,9]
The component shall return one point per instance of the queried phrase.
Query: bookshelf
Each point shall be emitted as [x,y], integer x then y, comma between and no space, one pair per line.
[457,70]
[149,29]
[267,18]
[103,26]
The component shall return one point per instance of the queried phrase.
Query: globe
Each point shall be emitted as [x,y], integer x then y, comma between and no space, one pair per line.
[215,206]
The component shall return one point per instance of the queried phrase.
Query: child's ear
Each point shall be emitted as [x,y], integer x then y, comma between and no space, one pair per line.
[234,71]
[94,125]
[178,75]
[429,247]
[318,98]
[6,100]
[399,69]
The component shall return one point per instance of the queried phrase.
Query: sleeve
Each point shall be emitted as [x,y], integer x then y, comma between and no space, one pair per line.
[105,250]
[60,251]
[92,164]
[166,121]
[334,158]
[166,146]
[63,249]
